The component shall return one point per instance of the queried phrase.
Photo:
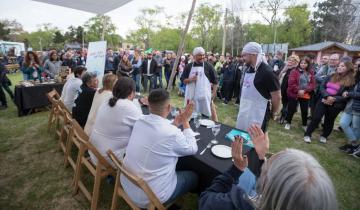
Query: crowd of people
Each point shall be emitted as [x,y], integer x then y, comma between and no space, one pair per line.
[263,87]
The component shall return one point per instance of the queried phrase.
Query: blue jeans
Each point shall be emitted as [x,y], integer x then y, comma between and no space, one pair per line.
[158,80]
[152,80]
[247,182]
[137,79]
[186,182]
[352,132]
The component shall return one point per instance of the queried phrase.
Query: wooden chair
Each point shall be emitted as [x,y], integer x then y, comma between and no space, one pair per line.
[101,170]
[66,127]
[71,141]
[119,191]
[54,99]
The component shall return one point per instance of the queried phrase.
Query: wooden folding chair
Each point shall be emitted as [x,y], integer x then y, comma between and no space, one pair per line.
[101,170]
[54,99]
[119,191]
[73,139]
[65,128]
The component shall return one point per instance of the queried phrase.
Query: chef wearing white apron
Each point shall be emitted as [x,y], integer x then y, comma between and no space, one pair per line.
[198,85]
[253,104]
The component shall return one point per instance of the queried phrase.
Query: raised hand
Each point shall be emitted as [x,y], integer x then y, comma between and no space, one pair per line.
[260,140]
[240,161]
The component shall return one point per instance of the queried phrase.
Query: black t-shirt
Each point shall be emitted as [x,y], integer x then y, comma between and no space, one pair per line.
[265,80]
[208,69]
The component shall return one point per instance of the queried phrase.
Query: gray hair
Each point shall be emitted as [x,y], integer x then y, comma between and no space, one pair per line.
[294,180]
[87,77]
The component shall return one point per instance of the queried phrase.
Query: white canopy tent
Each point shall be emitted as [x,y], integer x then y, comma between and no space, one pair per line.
[93,6]
[99,7]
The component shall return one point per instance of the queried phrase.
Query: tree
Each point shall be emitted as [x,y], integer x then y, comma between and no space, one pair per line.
[42,39]
[206,26]
[94,28]
[147,23]
[333,20]
[10,29]
[296,29]
[4,31]
[257,32]
[272,7]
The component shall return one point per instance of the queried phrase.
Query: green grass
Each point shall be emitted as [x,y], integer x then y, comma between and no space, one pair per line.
[33,176]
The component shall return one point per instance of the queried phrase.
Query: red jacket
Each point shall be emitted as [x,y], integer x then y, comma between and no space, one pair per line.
[294,83]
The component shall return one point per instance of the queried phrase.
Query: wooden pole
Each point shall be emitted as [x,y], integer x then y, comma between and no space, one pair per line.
[224,33]
[181,46]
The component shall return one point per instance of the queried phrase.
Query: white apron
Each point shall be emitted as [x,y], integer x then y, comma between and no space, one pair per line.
[199,91]
[252,104]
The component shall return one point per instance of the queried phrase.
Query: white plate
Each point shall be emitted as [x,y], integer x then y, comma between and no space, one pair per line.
[222,151]
[207,123]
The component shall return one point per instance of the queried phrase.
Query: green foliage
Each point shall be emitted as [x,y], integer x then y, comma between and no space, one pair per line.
[169,38]
[333,19]
[258,32]
[296,29]
[4,31]
[94,28]
[206,26]
[42,38]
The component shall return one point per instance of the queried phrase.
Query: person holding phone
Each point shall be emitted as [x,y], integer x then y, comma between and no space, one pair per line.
[33,67]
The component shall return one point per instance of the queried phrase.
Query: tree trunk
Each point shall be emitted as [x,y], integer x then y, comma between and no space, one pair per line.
[181,46]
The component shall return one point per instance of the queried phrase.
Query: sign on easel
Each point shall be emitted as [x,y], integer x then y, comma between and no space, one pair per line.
[95,61]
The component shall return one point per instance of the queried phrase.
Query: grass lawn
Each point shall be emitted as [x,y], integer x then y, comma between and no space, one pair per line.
[33,176]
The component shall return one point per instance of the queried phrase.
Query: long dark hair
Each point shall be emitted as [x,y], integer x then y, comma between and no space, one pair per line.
[122,89]
[28,60]
[308,62]
[51,54]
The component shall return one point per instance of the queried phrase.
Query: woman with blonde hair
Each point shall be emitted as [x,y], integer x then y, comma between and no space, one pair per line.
[103,94]
[332,101]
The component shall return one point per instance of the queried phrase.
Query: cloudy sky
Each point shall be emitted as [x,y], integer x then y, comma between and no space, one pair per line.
[31,14]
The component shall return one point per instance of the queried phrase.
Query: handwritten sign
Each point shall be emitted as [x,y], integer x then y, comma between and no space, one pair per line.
[95,61]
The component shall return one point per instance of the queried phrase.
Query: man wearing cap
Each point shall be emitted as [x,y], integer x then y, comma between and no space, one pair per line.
[260,86]
[148,68]
[201,83]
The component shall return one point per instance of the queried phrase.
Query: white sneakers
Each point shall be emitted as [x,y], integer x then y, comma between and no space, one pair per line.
[323,139]
[307,139]
[287,126]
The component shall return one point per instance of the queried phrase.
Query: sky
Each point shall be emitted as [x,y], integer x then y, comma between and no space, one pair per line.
[32,14]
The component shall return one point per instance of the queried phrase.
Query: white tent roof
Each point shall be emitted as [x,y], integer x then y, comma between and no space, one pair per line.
[94,6]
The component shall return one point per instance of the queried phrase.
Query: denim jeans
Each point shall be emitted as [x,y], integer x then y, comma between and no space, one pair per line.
[247,182]
[350,123]
[158,80]
[137,79]
[186,182]
[152,82]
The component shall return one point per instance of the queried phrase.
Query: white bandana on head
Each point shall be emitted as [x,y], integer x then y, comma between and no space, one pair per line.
[255,49]
[198,50]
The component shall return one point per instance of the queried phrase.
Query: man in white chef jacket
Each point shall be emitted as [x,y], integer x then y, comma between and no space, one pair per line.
[201,84]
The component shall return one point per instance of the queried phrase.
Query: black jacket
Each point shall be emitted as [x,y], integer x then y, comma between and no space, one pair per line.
[153,66]
[83,104]
[340,102]
[224,193]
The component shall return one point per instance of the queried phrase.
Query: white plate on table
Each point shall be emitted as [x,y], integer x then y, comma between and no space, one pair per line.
[221,151]
[207,123]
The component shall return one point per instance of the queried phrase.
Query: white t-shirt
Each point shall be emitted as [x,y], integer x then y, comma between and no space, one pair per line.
[113,127]
[70,91]
[152,153]
[99,98]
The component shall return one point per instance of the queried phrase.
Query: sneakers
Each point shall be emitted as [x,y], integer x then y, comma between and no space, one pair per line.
[323,139]
[287,126]
[356,154]
[349,148]
[307,139]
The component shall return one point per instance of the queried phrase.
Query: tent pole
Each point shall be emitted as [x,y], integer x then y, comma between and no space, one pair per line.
[181,46]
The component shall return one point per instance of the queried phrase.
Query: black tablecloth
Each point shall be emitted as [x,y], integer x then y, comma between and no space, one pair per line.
[208,166]
[28,98]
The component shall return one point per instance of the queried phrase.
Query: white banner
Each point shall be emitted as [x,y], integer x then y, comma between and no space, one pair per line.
[95,61]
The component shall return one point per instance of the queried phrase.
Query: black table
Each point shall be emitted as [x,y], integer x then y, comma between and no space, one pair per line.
[208,166]
[28,98]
